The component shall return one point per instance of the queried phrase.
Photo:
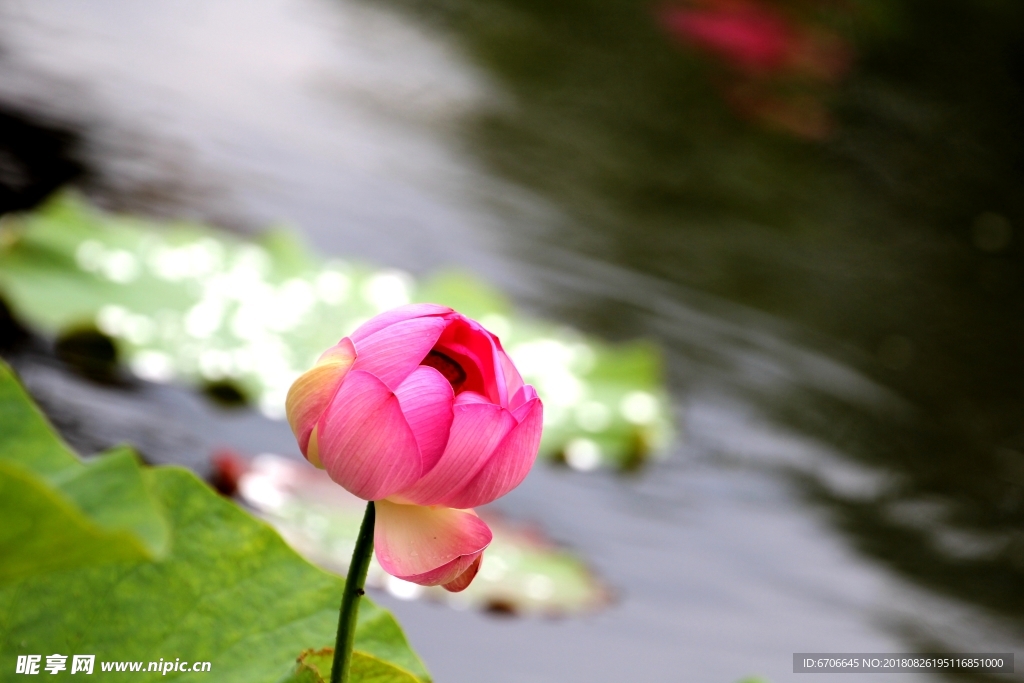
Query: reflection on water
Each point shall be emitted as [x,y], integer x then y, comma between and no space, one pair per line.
[833,264]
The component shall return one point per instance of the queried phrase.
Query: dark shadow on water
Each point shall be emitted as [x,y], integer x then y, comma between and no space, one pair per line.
[36,157]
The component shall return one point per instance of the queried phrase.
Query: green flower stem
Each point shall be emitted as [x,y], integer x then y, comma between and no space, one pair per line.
[350,600]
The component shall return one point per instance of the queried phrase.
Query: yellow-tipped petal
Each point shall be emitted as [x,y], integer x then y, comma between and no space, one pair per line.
[313,450]
[430,546]
[310,394]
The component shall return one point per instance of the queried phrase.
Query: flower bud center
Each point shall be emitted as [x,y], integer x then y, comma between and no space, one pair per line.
[448,368]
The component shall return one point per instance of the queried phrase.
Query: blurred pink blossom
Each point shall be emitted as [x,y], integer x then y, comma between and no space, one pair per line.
[751,37]
[778,62]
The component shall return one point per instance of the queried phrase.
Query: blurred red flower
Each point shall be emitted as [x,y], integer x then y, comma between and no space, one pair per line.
[778,62]
[758,39]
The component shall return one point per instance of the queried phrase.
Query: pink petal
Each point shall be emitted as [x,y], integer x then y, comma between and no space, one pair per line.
[513,380]
[509,464]
[397,315]
[427,545]
[392,353]
[467,397]
[344,351]
[364,441]
[426,399]
[445,574]
[312,391]
[313,451]
[477,430]
[465,578]
[525,394]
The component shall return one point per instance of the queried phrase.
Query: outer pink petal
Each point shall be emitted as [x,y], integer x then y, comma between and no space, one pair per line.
[342,352]
[426,399]
[397,315]
[310,394]
[509,464]
[525,394]
[513,380]
[427,545]
[496,353]
[463,580]
[448,574]
[395,351]
[477,430]
[364,441]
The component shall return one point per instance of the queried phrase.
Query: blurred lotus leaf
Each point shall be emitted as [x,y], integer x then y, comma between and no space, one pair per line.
[245,318]
[128,563]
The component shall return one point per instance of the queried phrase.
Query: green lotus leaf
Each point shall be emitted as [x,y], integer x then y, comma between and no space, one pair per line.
[78,576]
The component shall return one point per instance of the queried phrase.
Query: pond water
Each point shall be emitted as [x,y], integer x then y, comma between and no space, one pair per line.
[828,258]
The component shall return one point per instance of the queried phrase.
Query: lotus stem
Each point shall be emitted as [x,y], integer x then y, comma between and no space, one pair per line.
[350,599]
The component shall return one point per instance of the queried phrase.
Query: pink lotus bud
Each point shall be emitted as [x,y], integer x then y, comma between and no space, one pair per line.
[422,411]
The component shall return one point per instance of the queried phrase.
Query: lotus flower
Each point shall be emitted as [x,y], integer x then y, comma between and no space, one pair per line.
[422,412]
